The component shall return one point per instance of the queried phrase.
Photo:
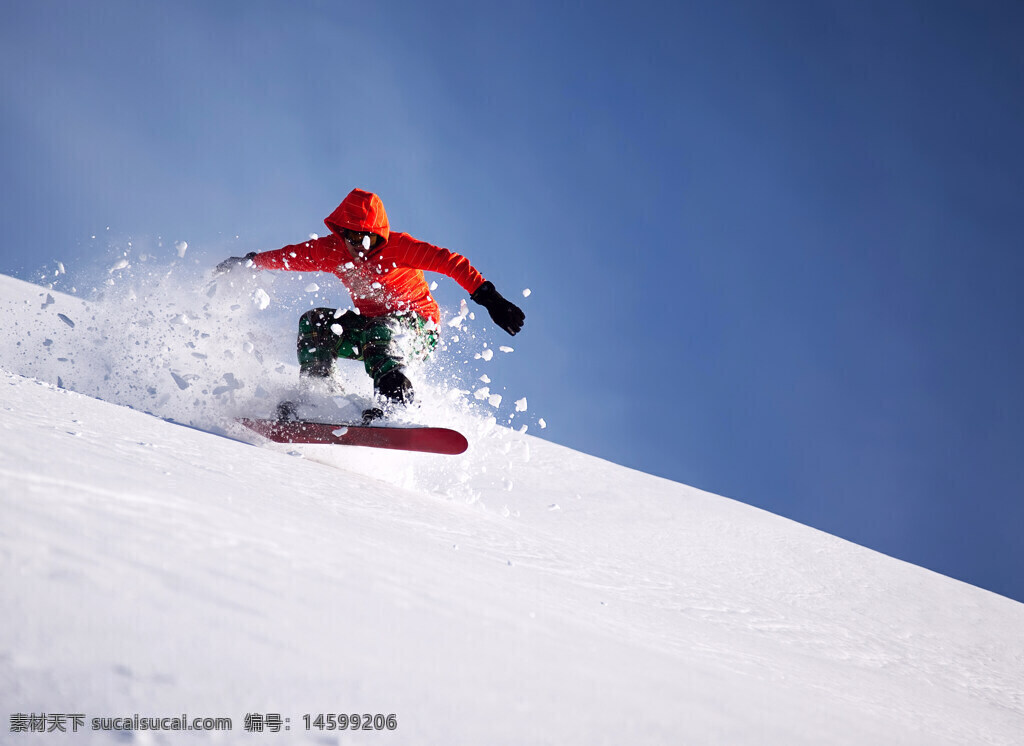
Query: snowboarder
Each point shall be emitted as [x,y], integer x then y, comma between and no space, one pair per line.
[383,271]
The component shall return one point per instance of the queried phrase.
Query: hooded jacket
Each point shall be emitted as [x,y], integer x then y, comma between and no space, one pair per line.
[389,277]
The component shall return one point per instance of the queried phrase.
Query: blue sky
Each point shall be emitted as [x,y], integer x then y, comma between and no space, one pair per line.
[774,249]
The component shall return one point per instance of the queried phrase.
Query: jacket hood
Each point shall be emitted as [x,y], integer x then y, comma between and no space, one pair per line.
[360,211]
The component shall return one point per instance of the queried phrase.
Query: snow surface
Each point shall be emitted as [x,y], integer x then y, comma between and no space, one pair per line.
[521,593]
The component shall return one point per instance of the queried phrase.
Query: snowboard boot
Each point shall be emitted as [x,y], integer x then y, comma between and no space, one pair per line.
[316,383]
[287,411]
[371,414]
[395,387]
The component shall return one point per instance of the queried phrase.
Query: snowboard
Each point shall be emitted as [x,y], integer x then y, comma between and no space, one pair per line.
[422,439]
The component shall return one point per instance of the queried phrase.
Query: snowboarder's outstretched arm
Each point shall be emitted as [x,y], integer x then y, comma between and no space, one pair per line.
[310,256]
[410,252]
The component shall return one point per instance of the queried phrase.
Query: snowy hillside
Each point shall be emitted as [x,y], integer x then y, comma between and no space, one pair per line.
[521,593]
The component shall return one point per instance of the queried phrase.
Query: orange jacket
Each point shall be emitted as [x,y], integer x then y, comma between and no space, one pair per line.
[390,277]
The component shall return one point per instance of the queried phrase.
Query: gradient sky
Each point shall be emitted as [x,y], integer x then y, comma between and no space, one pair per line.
[775,249]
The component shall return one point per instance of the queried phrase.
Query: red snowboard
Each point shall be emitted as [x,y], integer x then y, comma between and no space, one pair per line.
[423,439]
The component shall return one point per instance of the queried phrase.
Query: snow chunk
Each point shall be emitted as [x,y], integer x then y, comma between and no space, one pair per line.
[260,299]
[181,247]
[506,348]
[484,393]
[526,293]
[312,288]
[339,432]
[338,329]
[117,266]
[230,384]
[521,405]
[181,382]
[456,322]
[542,423]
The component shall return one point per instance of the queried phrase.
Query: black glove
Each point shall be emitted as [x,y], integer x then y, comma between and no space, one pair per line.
[231,262]
[505,314]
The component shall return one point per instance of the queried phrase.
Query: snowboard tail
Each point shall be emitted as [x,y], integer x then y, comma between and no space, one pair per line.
[421,439]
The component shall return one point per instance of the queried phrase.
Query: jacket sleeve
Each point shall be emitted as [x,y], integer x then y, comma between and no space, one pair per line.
[315,255]
[415,254]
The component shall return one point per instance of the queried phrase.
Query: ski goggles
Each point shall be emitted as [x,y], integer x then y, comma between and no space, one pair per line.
[357,239]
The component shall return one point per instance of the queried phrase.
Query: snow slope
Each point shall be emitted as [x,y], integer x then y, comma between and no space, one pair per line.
[520,593]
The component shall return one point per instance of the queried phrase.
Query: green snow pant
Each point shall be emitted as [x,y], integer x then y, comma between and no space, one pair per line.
[381,343]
